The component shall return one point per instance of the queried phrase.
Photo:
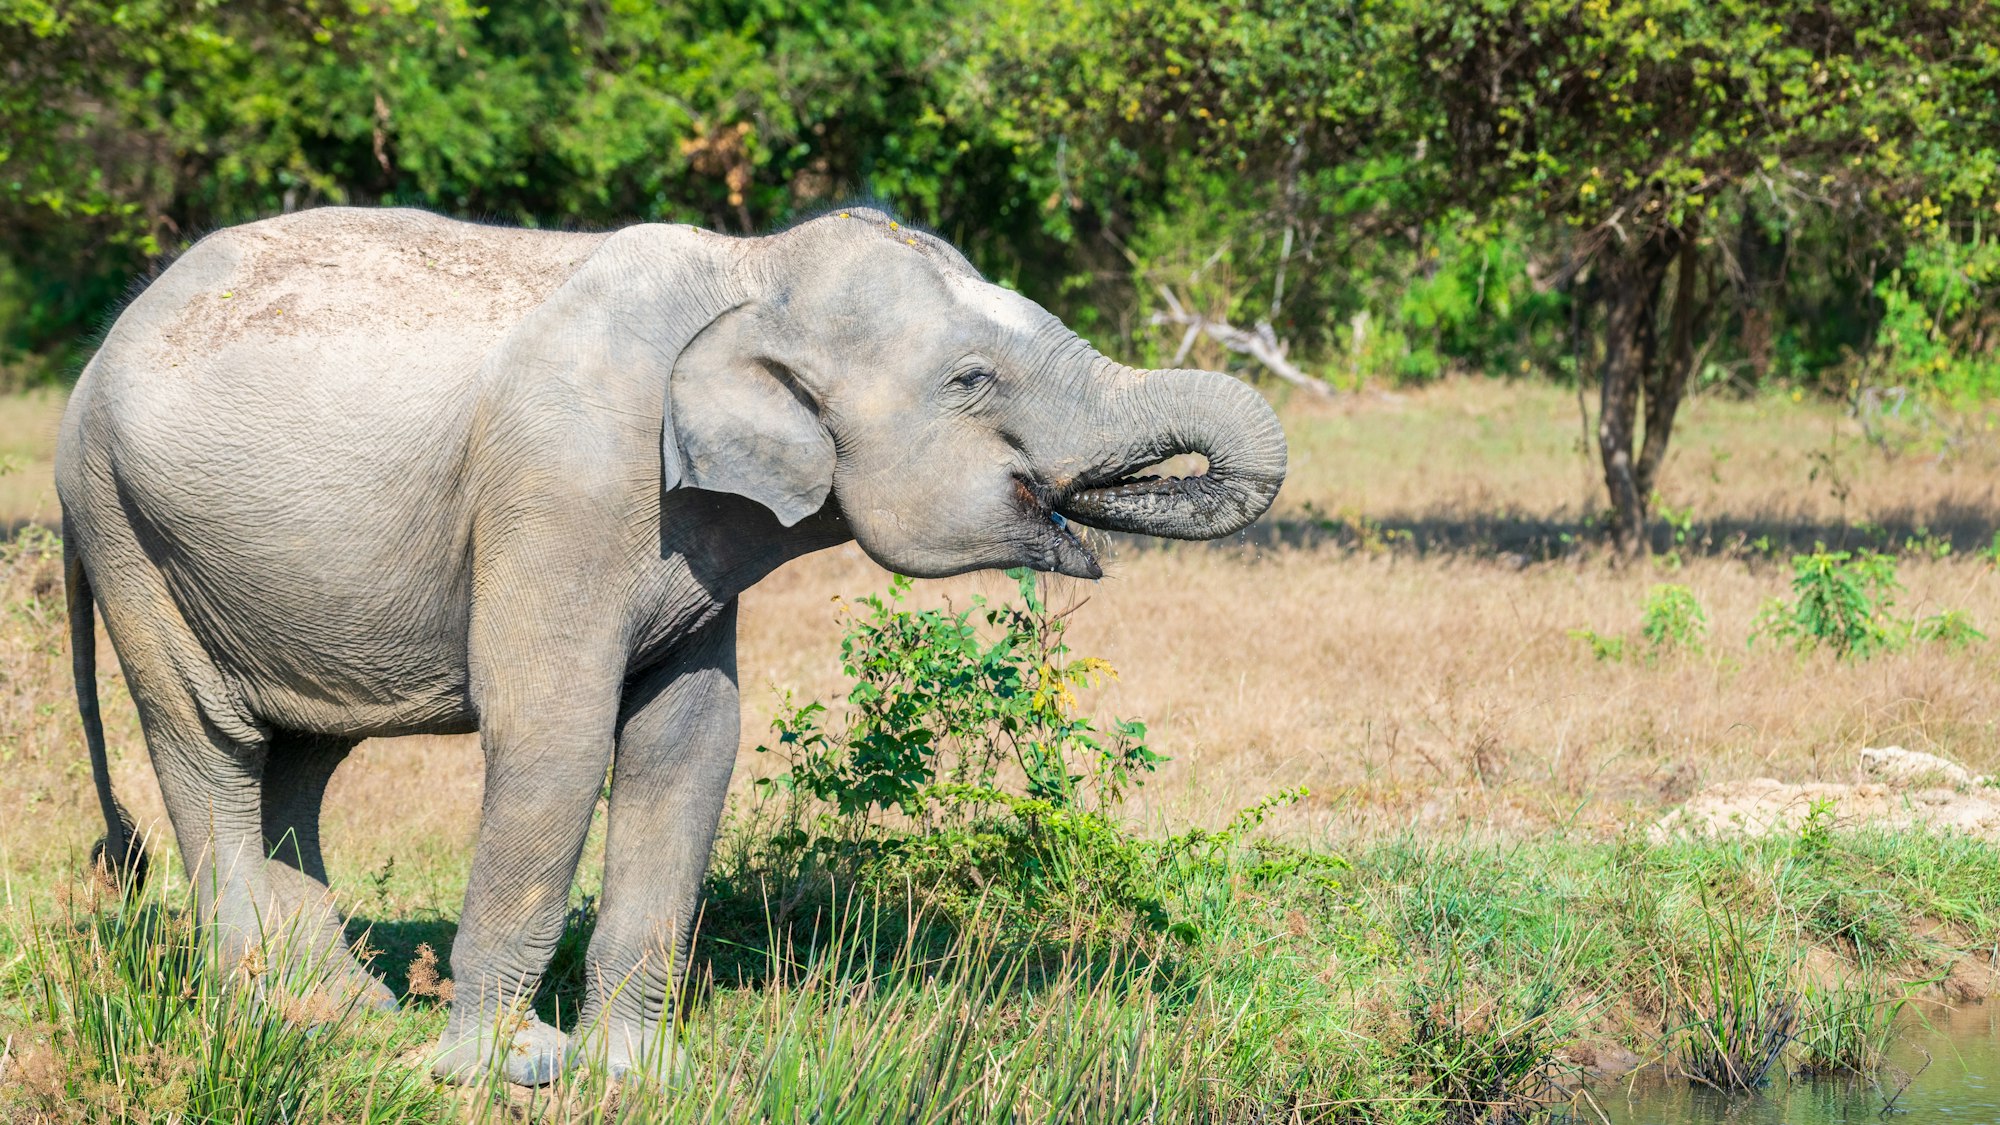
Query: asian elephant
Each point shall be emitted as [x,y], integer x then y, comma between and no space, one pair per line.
[347,473]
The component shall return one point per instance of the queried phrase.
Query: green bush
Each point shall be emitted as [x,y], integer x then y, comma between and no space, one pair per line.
[1840,600]
[1672,619]
[1952,627]
[964,772]
[1605,649]
[1845,602]
[1937,316]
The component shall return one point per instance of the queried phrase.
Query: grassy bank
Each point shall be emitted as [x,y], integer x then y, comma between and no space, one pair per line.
[1428,980]
[1464,909]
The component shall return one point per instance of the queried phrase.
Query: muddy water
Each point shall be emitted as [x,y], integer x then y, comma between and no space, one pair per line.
[1952,1070]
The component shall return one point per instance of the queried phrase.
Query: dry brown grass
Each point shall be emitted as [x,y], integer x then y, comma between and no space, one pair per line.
[1420,681]
[27,443]
[1433,679]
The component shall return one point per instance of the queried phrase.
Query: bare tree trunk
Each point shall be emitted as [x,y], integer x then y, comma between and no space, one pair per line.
[1631,337]
[1666,382]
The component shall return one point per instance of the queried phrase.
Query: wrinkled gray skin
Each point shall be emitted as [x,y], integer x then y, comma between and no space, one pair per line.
[349,473]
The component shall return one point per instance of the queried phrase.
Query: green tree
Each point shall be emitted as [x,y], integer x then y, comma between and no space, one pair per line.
[1777,188]
[1225,151]
[128,129]
[1639,131]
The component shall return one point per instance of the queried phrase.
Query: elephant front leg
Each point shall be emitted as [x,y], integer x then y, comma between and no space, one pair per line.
[676,749]
[547,734]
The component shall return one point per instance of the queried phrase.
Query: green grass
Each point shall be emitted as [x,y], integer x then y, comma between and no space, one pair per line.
[1732,1012]
[117,1010]
[1435,981]
[1848,1025]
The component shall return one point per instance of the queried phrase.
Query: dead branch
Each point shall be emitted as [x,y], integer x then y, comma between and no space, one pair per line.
[1261,344]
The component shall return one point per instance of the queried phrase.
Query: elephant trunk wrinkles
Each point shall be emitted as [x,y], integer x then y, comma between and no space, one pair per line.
[1171,413]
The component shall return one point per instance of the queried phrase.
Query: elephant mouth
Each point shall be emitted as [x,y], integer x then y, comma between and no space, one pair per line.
[1056,538]
[1061,514]
[1171,479]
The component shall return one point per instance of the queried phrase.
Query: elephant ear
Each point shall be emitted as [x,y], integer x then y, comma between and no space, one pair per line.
[738,420]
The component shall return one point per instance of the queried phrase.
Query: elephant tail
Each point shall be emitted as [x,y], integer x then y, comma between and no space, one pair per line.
[119,854]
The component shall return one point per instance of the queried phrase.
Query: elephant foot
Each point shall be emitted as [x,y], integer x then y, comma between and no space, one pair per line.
[316,992]
[625,1050]
[520,1048]
[302,929]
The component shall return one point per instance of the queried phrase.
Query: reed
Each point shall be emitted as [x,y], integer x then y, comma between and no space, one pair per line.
[1733,1012]
[1849,1025]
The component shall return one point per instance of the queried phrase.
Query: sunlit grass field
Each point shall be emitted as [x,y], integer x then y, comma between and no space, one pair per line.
[1399,637]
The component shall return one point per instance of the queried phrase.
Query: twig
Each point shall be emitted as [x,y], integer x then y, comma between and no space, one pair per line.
[1908,1080]
[1261,344]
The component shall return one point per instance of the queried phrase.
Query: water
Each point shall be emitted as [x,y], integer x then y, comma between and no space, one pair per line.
[1959,1084]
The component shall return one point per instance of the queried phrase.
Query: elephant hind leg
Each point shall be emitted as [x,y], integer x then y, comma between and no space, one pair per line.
[213,757]
[294,785]
[296,772]
[207,749]
[207,752]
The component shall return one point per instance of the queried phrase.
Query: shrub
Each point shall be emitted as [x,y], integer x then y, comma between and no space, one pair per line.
[1841,601]
[1816,830]
[1602,647]
[1952,627]
[1673,619]
[939,710]
[964,772]
[1845,602]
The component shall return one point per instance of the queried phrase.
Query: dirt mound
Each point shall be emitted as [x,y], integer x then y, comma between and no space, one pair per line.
[1905,789]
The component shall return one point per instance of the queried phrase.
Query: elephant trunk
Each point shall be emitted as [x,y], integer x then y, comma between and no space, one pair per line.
[1162,414]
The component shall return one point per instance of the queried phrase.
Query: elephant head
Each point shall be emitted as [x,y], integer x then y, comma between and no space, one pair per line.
[956,424]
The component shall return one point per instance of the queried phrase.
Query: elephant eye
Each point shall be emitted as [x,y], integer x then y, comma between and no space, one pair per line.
[975,378]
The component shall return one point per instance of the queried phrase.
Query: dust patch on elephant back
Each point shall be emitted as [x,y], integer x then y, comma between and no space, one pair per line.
[336,271]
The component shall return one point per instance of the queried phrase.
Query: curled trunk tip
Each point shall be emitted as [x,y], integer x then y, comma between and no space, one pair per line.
[1174,412]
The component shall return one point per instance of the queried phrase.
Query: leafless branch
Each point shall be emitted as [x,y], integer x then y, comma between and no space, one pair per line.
[1261,344]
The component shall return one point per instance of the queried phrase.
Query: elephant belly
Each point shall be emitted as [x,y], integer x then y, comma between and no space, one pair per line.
[321,661]
[343,641]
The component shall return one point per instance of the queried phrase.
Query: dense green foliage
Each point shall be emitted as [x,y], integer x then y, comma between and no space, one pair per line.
[1399,188]
[962,772]
[1672,619]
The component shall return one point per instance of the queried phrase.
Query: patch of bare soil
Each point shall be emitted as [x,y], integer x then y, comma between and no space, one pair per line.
[1895,788]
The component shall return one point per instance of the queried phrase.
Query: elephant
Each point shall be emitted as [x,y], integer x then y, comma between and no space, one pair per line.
[356,472]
